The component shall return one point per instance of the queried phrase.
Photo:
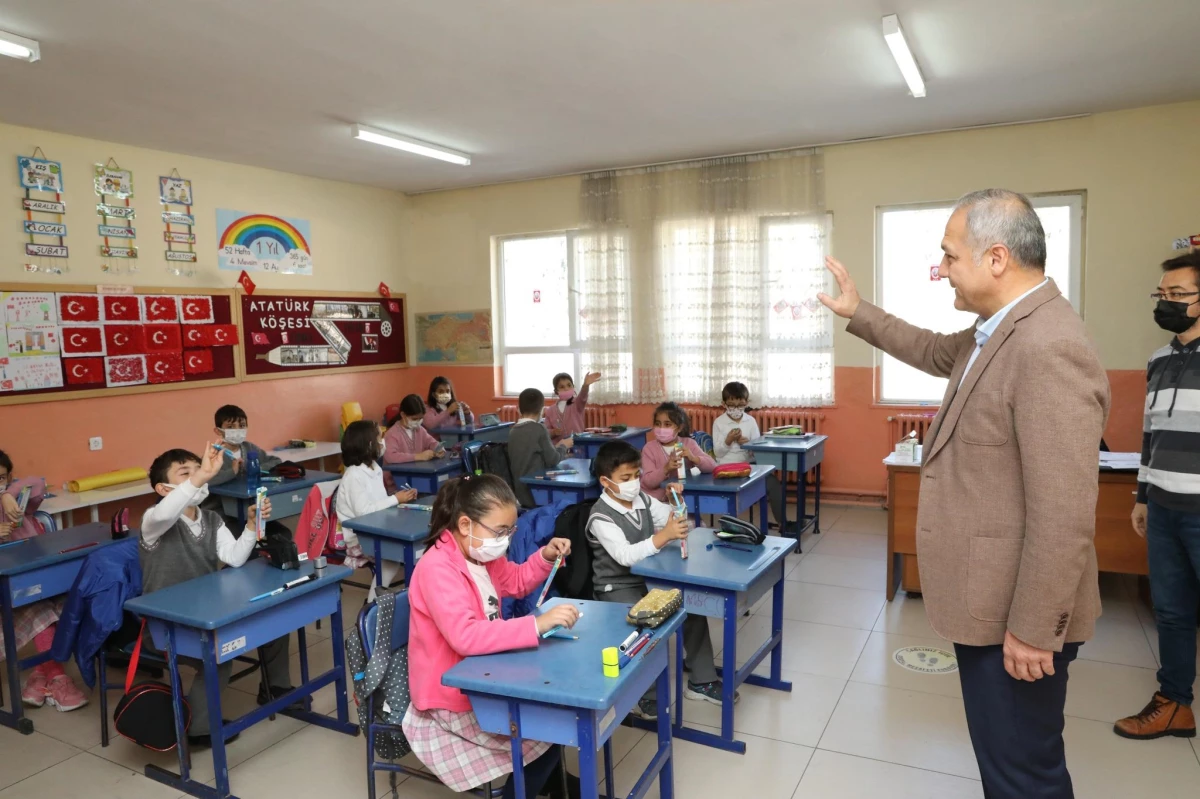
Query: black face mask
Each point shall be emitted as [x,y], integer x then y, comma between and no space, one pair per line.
[1173,316]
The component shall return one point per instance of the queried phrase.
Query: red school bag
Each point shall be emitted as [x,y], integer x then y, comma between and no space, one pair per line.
[317,531]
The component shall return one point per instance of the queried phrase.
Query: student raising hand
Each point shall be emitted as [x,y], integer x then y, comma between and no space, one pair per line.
[590,378]
[210,464]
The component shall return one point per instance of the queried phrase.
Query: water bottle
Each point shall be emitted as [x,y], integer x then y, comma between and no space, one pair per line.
[683,468]
[253,471]
[462,417]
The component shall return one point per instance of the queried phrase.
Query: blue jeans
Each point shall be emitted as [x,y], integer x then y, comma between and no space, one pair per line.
[1173,540]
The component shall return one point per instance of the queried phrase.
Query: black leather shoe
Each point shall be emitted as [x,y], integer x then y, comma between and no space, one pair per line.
[205,741]
[276,692]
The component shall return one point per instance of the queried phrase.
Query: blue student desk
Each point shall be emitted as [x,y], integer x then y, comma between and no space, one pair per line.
[574,487]
[723,584]
[393,534]
[588,444]
[805,453]
[731,495]
[212,619]
[425,476]
[33,569]
[558,693]
[454,435]
[287,497]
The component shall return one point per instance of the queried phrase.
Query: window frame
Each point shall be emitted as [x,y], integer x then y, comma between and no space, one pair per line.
[1075,200]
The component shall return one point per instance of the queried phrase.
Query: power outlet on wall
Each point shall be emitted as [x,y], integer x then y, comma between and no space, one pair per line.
[95,443]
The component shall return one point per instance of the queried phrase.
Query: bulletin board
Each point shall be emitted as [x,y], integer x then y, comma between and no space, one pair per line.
[298,333]
[60,342]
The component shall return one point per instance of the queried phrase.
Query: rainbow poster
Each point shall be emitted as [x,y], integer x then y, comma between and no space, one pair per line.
[263,243]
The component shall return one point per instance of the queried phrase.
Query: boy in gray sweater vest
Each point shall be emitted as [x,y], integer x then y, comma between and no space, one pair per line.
[180,542]
[621,532]
[529,447]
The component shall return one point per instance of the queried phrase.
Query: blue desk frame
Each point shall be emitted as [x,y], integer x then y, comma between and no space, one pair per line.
[808,453]
[33,569]
[588,444]
[225,625]
[393,534]
[733,496]
[456,435]
[558,694]
[575,487]
[718,583]
[425,476]
[239,491]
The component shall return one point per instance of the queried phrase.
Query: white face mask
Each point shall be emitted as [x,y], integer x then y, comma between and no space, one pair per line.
[201,494]
[627,491]
[443,399]
[489,548]
[234,435]
[735,413]
[412,424]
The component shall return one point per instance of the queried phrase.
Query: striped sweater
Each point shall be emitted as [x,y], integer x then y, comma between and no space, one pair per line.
[1170,470]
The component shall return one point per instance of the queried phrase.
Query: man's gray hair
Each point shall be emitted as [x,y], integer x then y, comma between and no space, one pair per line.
[1000,216]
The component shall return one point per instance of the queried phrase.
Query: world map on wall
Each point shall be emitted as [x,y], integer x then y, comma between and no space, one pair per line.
[463,337]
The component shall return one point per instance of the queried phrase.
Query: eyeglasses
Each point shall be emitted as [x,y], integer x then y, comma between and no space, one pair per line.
[1173,296]
[503,532]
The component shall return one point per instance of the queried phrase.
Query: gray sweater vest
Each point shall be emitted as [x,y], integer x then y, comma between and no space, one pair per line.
[179,555]
[607,574]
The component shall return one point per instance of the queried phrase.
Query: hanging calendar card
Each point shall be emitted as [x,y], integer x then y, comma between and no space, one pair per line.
[39,174]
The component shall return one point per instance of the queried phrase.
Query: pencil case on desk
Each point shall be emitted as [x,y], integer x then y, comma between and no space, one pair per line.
[655,607]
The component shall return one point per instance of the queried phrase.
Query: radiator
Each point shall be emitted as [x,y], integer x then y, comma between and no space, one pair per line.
[901,424]
[508,413]
[702,417]
[592,416]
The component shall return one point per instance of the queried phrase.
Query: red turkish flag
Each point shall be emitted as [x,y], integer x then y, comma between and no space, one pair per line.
[82,340]
[196,336]
[125,370]
[246,283]
[261,340]
[384,290]
[124,339]
[79,307]
[83,371]
[122,309]
[222,335]
[157,308]
[164,367]
[197,362]
[197,310]
[163,338]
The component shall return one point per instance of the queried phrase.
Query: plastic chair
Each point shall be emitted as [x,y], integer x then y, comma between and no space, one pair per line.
[366,631]
[46,521]
[704,440]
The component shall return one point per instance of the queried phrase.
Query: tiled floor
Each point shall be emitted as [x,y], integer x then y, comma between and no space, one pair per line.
[855,725]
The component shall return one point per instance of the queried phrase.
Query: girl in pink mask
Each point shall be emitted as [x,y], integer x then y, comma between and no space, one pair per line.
[673,447]
[565,417]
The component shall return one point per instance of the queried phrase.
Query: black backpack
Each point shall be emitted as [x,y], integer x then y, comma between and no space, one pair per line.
[145,714]
[492,458]
[574,577]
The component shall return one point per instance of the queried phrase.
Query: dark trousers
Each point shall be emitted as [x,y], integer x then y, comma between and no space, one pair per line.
[537,775]
[1016,726]
[1173,542]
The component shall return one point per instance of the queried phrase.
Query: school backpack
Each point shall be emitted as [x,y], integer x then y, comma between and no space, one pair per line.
[381,682]
[489,457]
[574,578]
[317,527]
[534,530]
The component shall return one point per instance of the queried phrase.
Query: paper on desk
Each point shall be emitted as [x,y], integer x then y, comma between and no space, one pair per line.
[1120,460]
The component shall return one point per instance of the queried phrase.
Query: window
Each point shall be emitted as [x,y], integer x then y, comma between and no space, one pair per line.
[908,244]
[552,306]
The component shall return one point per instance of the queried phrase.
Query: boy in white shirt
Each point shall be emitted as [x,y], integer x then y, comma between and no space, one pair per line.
[362,490]
[734,428]
[180,542]
[626,526]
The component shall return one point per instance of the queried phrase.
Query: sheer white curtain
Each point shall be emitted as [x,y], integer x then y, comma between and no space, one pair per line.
[675,271]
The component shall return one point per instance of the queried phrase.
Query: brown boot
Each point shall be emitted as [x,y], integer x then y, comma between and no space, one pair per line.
[1161,717]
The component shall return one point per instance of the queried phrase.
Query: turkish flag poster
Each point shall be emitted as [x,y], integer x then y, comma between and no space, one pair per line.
[196,310]
[197,362]
[222,335]
[157,308]
[79,307]
[83,371]
[124,340]
[125,370]
[164,367]
[82,340]
[122,308]
[163,338]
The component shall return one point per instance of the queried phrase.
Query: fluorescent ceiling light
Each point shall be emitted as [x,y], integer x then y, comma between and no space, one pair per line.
[893,34]
[409,145]
[15,46]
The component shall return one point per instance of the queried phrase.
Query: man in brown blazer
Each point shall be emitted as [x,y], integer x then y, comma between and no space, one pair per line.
[1008,485]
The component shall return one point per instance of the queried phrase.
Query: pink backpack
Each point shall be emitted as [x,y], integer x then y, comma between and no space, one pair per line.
[317,531]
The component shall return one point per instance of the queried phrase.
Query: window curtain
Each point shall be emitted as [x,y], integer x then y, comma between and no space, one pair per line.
[673,275]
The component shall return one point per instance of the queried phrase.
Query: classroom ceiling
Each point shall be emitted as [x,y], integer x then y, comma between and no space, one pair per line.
[545,87]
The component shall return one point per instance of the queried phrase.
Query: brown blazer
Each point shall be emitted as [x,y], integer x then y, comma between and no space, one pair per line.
[1007,512]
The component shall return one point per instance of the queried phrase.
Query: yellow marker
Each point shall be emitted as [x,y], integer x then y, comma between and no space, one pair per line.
[610,656]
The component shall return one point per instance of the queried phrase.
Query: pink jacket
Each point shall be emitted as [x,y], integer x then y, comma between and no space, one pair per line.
[29,526]
[448,622]
[435,418]
[400,447]
[569,421]
[654,466]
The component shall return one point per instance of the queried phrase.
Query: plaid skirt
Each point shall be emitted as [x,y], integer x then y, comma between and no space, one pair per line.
[463,756]
[32,619]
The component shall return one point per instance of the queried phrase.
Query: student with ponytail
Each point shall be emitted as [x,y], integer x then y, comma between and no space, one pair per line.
[454,597]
